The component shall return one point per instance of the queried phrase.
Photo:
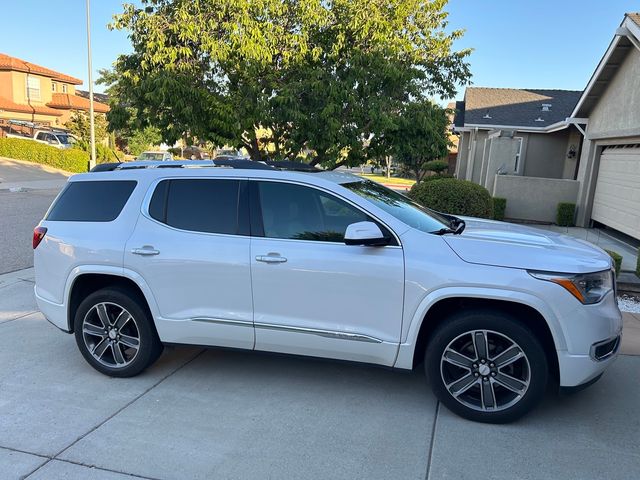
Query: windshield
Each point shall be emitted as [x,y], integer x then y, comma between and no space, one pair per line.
[66,139]
[151,156]
[399,206]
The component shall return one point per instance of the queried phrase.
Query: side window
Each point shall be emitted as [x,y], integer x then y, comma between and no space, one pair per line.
[41,136]
[99,201]
[198,205]
[304,213]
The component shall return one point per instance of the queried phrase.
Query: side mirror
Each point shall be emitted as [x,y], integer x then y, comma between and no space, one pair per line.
[365,233]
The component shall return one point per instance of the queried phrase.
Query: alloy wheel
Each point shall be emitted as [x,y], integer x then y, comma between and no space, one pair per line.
[485,370]
[111,334]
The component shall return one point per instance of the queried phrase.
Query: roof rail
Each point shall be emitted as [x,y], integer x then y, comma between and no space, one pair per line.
[165,164]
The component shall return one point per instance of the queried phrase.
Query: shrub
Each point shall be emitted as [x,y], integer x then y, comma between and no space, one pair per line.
[436,166]
[457,197]
[429,178]
[103,153]
[617,260]
[72,160]
[499,206]
[566,214]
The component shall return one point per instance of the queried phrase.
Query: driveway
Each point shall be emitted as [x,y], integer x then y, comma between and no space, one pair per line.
[203,414]
[26,191]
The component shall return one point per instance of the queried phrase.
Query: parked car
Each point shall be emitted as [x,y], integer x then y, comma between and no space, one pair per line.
[151,155]
[56,138]
[325,264]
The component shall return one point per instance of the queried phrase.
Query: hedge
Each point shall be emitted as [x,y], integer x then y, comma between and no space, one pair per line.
[617,260]
[499,206]
[457,197]
[566,214]
[71,160]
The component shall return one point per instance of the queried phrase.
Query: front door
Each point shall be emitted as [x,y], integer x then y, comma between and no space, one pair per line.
[191,246]
[312,294]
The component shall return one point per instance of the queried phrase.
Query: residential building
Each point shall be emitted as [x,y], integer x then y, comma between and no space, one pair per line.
[609,111]
[38,94]
[518,141]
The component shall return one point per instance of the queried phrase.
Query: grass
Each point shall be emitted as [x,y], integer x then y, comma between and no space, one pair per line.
[389,181]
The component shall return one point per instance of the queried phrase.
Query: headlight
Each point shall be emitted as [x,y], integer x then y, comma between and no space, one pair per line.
[587,287]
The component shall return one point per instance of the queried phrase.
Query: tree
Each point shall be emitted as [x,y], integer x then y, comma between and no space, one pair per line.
[79,125]
[422,137]
[141,140]
[321,78]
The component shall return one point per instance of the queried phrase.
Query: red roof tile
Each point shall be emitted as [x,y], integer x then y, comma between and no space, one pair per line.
[74,102]
[12,63]
[9,105]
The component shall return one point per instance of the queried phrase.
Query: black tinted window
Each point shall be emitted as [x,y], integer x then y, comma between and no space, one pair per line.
[92,201]
[199,205]
[304,213]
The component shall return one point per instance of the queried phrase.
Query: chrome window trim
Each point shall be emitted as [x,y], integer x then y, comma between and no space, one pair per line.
[224,321]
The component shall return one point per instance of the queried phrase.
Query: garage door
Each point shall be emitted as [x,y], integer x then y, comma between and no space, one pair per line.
[616,201]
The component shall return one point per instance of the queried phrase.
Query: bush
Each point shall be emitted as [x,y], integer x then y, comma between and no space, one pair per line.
[429,178]
[103,153]
[566,214]
[436,166]
[457,197]
[72,160]
[617,260]
[499,206]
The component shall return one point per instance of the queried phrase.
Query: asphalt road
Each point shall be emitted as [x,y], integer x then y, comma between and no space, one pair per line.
[19,213]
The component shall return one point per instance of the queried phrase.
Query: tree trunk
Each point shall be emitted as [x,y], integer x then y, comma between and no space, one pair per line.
[387,161]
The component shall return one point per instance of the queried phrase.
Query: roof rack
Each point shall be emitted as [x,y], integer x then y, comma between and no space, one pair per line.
[243,164]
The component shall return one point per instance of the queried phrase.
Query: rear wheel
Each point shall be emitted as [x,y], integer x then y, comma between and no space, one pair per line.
[486,366]
[114,333]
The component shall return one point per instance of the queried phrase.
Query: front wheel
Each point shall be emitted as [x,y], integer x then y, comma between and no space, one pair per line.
[486,366]
[115,333]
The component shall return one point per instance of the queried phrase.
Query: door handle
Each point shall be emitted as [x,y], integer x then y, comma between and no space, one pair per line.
[271,258]
[147,250]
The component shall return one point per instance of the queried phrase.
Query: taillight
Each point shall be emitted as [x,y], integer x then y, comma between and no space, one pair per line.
[38,235]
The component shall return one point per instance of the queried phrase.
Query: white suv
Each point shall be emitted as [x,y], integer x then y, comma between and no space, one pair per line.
[324,264]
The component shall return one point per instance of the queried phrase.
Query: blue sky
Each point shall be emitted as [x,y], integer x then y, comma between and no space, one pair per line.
[518,43]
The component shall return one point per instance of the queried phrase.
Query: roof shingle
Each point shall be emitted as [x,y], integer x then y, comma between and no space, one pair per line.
[12,63]
[518,107]
[74,102]
[635,17]
[11,106]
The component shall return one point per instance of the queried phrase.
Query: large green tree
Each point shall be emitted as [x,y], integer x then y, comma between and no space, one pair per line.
[421,137]
[322,78]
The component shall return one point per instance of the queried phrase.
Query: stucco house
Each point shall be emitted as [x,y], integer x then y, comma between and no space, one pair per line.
[38,94]
[609,112]
[519,145]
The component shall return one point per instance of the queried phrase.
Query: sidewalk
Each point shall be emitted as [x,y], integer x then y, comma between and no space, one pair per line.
[18,175]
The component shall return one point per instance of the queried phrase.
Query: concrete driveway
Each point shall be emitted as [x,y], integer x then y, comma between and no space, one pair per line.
[216,413]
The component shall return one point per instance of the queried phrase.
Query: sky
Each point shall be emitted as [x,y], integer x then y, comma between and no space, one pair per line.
[517,43]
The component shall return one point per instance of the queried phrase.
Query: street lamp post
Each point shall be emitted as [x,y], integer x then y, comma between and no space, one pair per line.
[92,161]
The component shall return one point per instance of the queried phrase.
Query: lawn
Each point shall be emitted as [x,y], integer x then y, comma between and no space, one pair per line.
[388,181]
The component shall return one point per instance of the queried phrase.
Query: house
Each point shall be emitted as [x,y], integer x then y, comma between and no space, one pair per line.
[609,113]
[518,144]
[38,94]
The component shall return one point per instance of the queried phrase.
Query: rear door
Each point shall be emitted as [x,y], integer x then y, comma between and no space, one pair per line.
[314,295]
[191,246]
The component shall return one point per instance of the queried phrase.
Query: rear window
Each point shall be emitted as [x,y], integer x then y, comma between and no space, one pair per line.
[100,201]
[198,205]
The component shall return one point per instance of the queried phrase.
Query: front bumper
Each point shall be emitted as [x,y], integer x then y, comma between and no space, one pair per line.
[576,370]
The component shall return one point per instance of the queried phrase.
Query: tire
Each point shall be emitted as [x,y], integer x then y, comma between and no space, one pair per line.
[131,343]
[509,383]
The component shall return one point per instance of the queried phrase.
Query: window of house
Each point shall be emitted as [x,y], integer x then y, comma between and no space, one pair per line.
[54,87]
[33,88]
[516,167]
[64,88]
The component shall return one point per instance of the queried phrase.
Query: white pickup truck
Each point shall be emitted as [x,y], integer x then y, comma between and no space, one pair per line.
[55,138]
